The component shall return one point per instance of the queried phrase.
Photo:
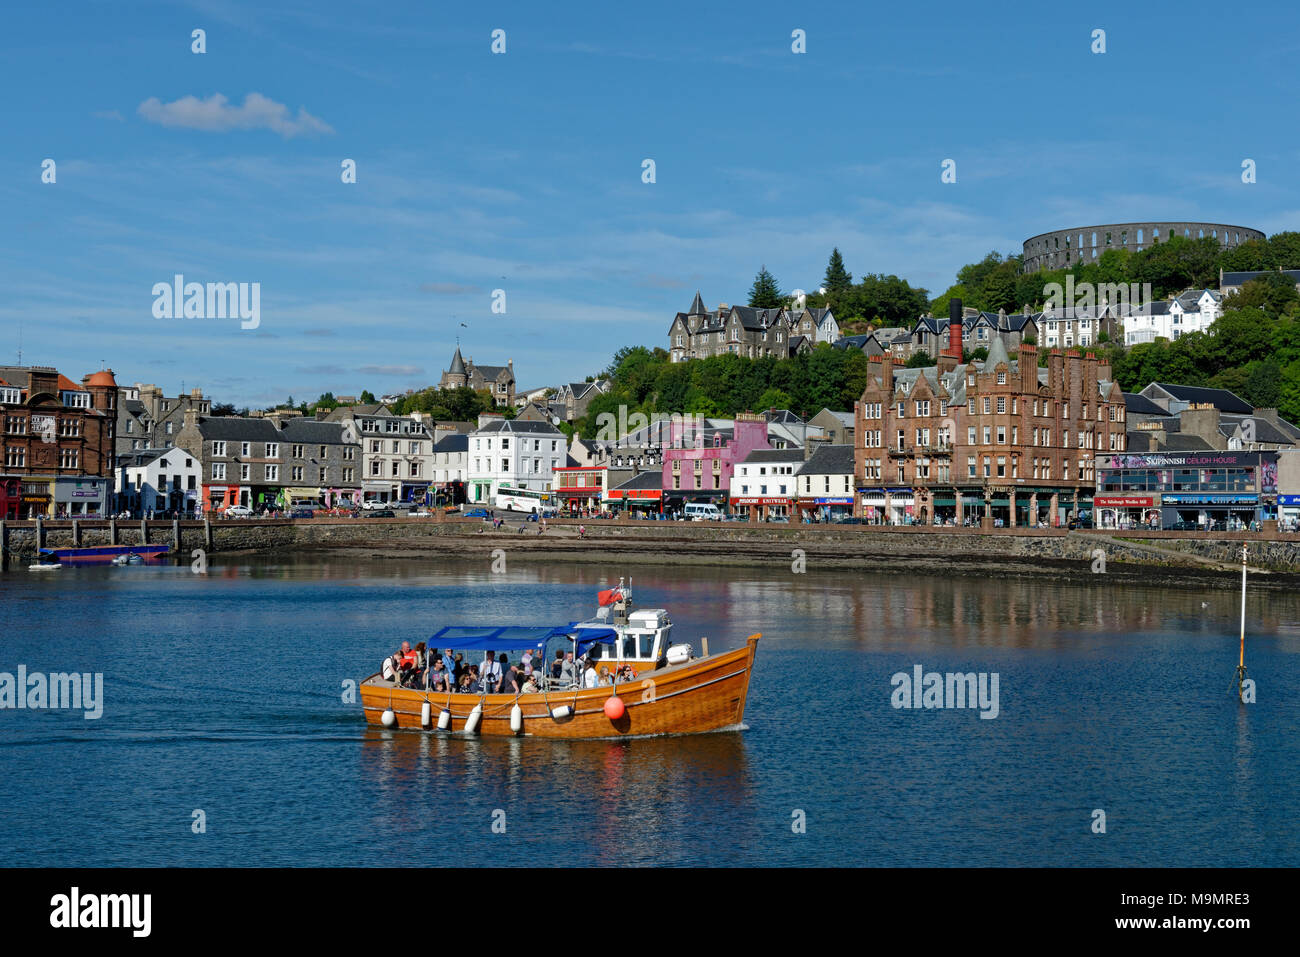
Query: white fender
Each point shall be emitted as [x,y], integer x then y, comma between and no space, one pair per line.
[560,713]
[426,715]
[516,718]
[444,719]
[471,723]
[388,718]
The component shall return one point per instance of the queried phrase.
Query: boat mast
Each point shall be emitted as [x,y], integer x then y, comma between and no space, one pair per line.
[1241,660]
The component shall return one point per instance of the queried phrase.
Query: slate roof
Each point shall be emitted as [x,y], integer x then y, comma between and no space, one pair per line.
[1241,278]
[1137,404]
[456,442]
[644,480]
[856,342]
[138,457]
[515,425]
[312,431]
[697,305]
[491,373]
[1265,431]
[237,429]
[1185,442]
[759,456]
[457,364]
[784,416]
[829,460]
[1221,399]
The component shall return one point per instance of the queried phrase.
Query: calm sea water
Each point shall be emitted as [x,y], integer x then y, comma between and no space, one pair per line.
[224,694]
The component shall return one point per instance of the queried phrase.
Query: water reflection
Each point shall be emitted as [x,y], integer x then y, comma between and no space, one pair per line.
[625,801]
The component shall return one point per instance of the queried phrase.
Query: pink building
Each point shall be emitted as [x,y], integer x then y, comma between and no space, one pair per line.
[702,471]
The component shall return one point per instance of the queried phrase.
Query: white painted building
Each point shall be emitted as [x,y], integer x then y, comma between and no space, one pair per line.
[825,484]
[1192,311]
[521,454]
[155,480]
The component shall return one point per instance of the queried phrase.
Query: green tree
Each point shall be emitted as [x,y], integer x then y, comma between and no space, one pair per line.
[775,399]
[837,280]
[1262,388]
[765,293]
[367,397]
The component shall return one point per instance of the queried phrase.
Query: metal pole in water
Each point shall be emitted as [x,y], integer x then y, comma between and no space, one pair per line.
[1241,661]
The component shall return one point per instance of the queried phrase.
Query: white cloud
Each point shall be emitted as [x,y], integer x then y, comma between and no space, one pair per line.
[391,370]
[216,115]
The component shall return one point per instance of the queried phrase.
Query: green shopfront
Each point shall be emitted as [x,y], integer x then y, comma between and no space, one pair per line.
[1004,506]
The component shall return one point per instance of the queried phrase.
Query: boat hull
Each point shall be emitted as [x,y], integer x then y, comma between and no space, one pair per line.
[104,554]
[704,695]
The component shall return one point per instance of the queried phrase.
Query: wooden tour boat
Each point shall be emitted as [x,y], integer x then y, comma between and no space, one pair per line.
[673,691]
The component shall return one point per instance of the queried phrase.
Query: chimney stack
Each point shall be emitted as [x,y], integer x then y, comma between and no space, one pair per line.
[954,328]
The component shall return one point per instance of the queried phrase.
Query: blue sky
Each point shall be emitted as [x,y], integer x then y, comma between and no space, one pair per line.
[522,171]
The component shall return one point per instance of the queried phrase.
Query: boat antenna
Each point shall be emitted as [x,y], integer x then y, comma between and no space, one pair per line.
[1241,660]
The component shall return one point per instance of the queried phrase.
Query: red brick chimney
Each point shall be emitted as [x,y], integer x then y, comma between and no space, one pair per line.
[954,328]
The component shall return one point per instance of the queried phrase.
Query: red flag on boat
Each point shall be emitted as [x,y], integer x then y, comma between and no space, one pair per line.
[609,596]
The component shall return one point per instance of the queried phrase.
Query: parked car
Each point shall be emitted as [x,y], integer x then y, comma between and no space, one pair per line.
[381,513]
[238,511]
[422,513]
[302,511]
[851,520]
[477,513]
[1184,526]
[374,504]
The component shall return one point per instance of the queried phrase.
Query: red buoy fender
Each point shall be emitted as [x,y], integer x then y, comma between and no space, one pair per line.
[614,708]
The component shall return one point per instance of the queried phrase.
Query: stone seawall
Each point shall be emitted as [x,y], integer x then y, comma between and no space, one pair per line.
[960,551]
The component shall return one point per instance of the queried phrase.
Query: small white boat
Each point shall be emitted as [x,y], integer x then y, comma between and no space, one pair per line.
[44,566]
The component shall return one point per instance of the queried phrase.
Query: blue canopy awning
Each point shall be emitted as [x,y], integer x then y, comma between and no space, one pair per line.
[511,637]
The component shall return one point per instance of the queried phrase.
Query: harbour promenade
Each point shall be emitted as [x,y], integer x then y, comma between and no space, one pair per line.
[864,547]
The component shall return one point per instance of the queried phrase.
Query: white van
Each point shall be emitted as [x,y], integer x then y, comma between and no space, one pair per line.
[703,512]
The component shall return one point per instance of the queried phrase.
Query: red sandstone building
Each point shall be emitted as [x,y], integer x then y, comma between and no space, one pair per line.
[998,442]
[58,442]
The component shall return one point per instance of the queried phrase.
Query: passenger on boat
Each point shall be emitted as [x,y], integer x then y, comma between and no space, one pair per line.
[457,666]
[569,671]
[475,684]
[490,672]
[589,677]
[604,675]
[527,661]
[557,666]
[530,685]
[510,681]
[405,661]
[438,675]
[467,684]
